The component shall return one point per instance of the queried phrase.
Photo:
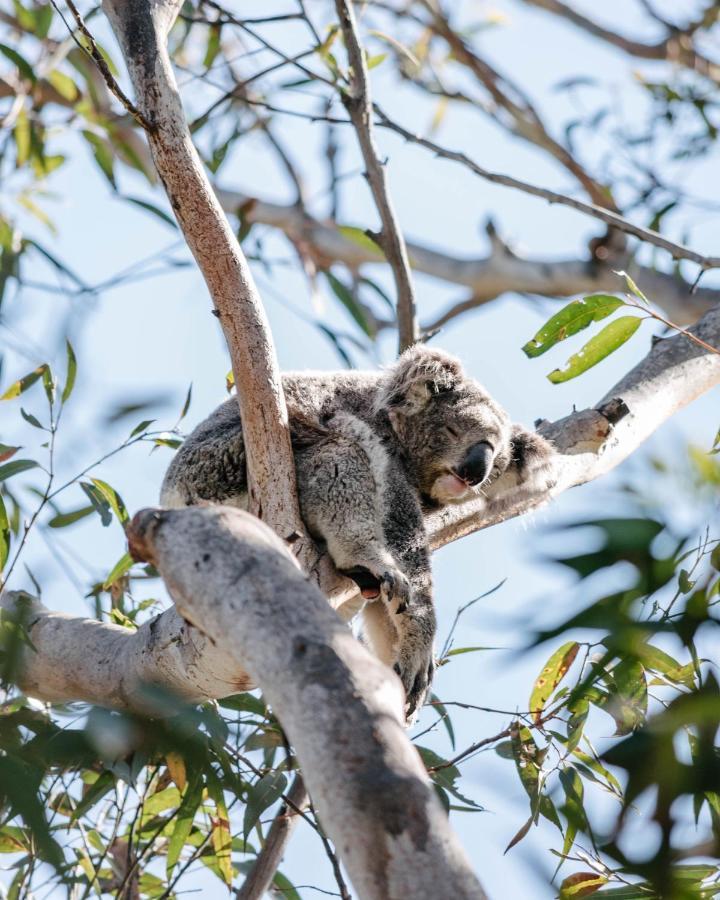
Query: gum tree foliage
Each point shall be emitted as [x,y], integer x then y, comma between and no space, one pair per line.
[112,803]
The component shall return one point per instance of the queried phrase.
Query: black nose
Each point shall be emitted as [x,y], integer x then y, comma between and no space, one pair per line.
[477,463]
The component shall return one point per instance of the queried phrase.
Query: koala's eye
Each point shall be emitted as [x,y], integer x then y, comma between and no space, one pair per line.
[451,431]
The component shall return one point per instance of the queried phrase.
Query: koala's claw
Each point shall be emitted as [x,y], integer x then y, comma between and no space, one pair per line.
[416,676]
[390,586]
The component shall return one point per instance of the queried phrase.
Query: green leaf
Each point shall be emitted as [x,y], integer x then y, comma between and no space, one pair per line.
[658,661]
[31,419]
[457,651]
[374,61]
[99,503]
[71,372]
[444,715]
[102,151]
[573,807]
[261,796]
[528,762]
[123,565]
[213,45]
[142,426]
[113,498]
[13,840]
[186,404]
[245,703]
[43,20]
[570,320]
[361,239]
[285,887]
[192,797]
[23,138]
[346,297]
[551,675]
[24,67]
[597,348]
[15,467]
[20,386]
[633,288]
[4,535]
[64,85]
[63,519]
[102,785]
[151,208]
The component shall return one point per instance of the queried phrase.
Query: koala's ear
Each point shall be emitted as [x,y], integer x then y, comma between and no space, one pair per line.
[418,374]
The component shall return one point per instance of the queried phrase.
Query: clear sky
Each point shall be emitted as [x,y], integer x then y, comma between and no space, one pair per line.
[153,337]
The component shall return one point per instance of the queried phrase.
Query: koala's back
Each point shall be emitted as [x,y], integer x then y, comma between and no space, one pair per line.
[210,465]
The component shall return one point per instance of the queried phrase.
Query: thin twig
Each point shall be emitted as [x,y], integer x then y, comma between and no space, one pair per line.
[358,103]
[260,876]
[94,53]
[677,251]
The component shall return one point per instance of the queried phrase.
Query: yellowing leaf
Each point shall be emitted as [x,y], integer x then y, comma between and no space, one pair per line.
[176,768]
[552,674]
[581,884]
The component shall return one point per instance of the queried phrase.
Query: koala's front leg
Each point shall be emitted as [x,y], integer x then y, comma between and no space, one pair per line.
[338,500]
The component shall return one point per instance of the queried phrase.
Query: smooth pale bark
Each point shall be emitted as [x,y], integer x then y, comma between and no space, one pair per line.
[142,27]
[340,707]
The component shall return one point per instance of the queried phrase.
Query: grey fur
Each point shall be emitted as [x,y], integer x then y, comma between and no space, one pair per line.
[372,449]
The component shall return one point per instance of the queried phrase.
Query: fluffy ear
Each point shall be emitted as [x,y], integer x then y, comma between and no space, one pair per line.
[417,375]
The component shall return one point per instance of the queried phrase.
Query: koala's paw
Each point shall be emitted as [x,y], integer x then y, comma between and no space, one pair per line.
[389,585]
[415,668]
[532,458]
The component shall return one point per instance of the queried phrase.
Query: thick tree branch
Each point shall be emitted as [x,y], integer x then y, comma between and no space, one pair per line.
[614,219]
[234,578]
[142,27]
[358,103]
[486,277]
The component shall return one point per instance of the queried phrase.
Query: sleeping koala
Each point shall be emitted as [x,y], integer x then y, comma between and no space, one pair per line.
[372,451]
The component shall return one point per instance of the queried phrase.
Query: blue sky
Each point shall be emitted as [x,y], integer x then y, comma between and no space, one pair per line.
[155,337]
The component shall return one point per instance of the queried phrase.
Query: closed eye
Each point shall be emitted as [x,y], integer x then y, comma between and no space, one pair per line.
[451,431]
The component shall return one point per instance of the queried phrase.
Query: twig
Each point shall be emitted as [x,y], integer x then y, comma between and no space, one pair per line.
[677,251]
[261,875]
[358,103]
[94,53]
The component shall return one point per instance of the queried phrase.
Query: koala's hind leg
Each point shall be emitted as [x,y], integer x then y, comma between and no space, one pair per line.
[338,501]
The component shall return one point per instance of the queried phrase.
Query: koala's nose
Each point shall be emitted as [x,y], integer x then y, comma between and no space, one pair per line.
[478,461]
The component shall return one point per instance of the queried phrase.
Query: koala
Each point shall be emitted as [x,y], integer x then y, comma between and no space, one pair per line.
[373,451]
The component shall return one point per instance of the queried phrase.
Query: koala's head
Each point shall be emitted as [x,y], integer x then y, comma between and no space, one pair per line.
[455,435]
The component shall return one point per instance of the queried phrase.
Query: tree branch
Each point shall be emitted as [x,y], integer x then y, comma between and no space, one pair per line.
[142,27]
[233,577]
[486,277]
[525,120]
[267,862]
[594,441]
[614,219]
[589,444]
[358,103]
[676,48]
